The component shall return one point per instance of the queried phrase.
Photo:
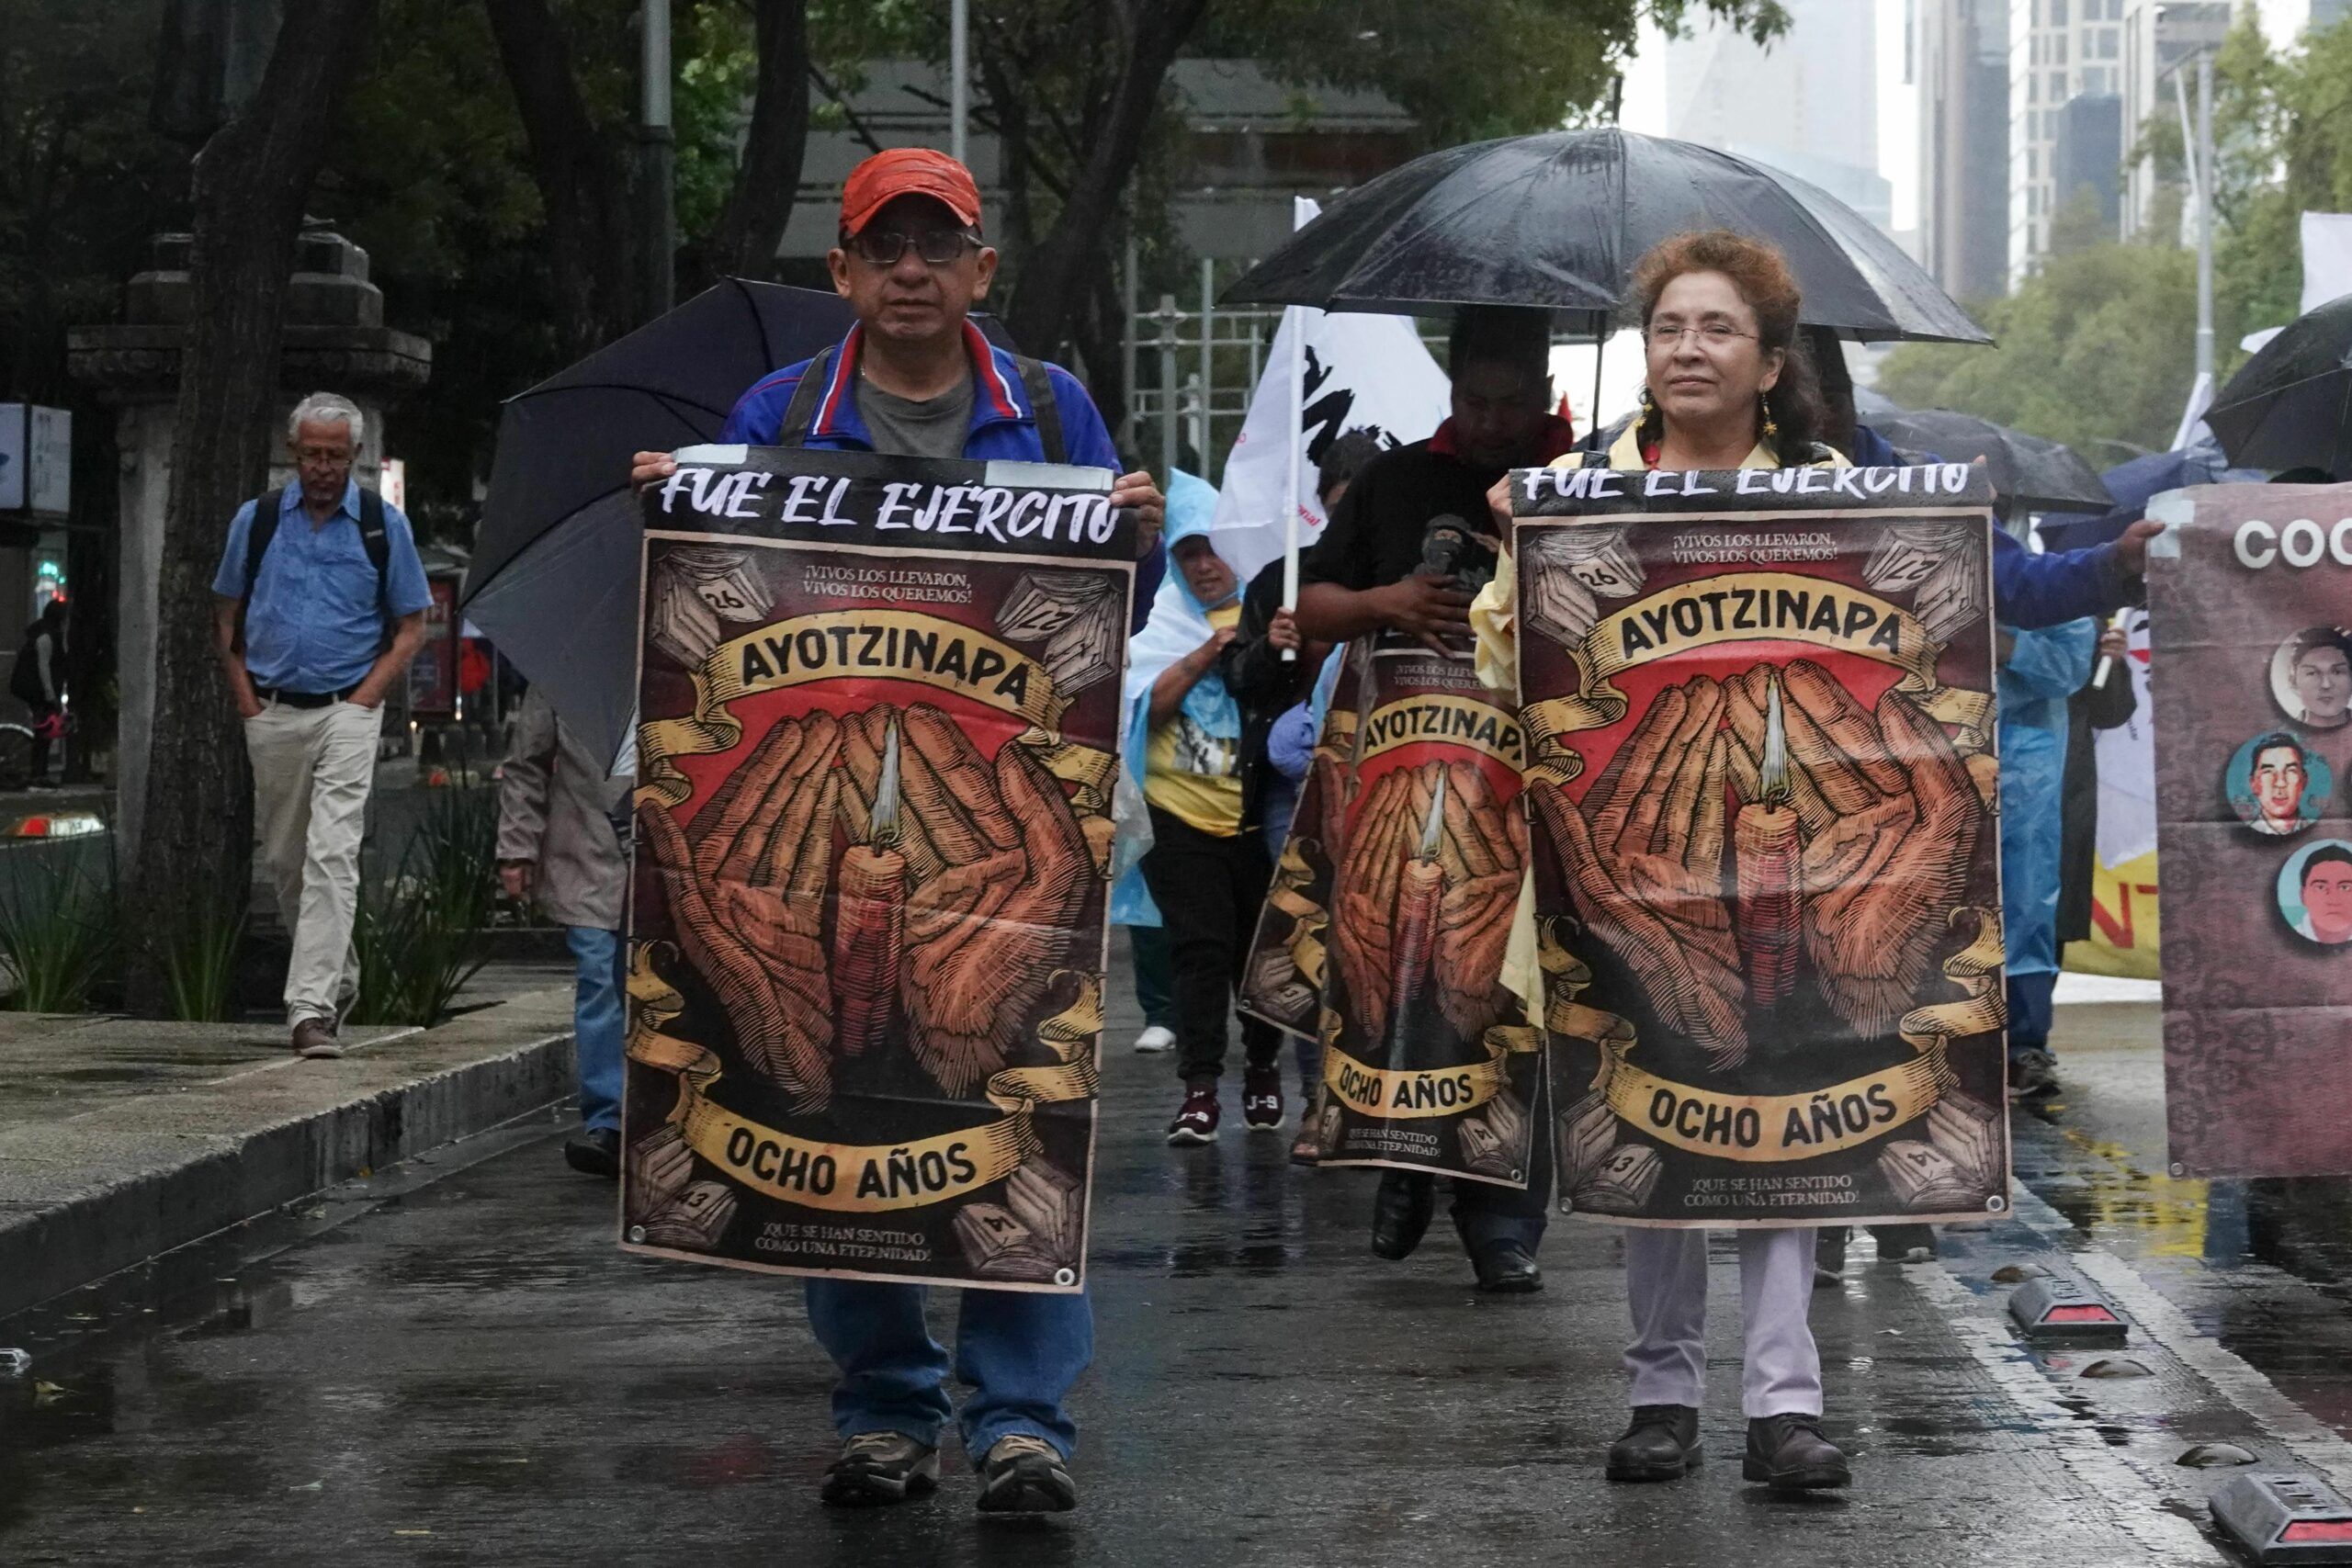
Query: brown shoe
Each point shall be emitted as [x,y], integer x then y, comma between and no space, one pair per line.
[314,1037]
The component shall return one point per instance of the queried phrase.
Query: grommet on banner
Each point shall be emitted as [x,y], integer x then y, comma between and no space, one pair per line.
[2285,1518]
[2062,1312]
[2177,1169]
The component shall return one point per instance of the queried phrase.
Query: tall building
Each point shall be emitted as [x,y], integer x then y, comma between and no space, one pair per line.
[1805,103]
[2159,38]
[2059,50]
[1960,62]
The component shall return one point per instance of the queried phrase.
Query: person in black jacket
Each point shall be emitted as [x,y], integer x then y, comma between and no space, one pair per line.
[1363,576]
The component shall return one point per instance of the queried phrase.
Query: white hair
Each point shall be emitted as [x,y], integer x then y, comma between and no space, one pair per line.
[326,408]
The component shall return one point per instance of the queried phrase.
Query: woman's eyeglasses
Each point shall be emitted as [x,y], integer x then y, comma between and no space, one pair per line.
[1711,334]
[937,247]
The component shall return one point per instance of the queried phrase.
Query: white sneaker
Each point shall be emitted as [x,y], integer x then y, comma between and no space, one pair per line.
[1156,1038]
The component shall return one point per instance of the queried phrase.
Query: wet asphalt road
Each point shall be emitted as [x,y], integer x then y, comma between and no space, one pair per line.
[450,1364]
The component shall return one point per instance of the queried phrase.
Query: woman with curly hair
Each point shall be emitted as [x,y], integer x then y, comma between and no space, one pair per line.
[1728,386]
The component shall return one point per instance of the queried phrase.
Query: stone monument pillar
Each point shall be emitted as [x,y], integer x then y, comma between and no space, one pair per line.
[336,341]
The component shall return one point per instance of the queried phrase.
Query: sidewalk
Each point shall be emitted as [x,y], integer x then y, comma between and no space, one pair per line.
[121,1138]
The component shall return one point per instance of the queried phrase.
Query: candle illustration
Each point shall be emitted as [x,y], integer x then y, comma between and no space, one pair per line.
[1765,852]
[1419,889]
[870,917]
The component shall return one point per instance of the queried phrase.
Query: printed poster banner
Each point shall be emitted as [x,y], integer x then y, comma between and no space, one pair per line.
[1428,1062]
[2251,595]
[878,703]
[1281,982]
[1761,783]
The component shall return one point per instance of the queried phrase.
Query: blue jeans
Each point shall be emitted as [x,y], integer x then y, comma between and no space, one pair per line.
[2029,1009]
[1018,1351]
[599,1022]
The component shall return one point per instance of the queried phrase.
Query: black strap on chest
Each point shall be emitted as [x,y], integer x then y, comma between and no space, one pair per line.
[372,538]
[800,413]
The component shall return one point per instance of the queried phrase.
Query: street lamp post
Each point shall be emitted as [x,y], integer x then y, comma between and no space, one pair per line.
[959,80]
[656,153]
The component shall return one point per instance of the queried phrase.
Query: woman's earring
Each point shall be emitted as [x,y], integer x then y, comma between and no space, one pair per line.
[1765,405]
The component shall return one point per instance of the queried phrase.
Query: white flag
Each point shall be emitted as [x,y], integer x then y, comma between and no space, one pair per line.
[1364,372]
[2127,762]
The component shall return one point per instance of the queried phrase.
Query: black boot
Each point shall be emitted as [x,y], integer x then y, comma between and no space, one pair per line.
[1400,1212]
[1506,1268]
[1789,1452]
[1662,1444]
[593,1151]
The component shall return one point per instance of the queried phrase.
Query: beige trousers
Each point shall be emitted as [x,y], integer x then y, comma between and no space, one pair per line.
[312,769]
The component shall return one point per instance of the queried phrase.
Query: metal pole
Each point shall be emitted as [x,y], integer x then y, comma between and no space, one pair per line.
[657,151]
[1166,385]
[1208,368]
[2205,215]
[1600,341]
[959,73]
[1296,319]
[1128,346]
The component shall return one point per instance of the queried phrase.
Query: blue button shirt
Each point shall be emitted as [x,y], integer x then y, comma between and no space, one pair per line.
[314,622]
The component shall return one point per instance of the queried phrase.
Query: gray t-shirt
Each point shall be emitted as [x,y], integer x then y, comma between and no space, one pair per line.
[902,427]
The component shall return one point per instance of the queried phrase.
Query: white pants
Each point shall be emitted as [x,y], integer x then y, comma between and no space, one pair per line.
[1666,1285]
[312,769]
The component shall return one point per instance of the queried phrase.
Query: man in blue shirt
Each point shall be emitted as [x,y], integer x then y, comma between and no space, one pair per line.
[915,378]
[313,628]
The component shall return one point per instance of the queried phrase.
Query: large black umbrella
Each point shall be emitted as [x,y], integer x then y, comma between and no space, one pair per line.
[555,566]
[1559,220]
[2290,405]
[2028,472]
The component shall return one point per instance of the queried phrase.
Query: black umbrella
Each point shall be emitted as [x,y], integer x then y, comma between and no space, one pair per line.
[1559,220]
[2030,473]
[555,566]
[2290,405]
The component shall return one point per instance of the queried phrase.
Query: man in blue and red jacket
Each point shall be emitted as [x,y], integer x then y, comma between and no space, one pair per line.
[915,378]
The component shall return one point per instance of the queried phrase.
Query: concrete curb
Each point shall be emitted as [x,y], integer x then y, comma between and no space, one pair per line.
[84,1196]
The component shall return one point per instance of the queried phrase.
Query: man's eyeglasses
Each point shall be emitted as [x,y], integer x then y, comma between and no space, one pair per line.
[1712,334]
[937,247]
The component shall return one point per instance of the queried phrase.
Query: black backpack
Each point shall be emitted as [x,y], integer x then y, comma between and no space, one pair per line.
[372,538]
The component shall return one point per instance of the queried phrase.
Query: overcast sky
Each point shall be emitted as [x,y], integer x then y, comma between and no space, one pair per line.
[1898,149]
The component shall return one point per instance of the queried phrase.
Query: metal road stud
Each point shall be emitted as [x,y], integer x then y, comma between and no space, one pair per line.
[2065,1312]
[2285,1518]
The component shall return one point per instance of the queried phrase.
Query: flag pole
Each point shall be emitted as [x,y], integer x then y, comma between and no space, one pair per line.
[1294,319]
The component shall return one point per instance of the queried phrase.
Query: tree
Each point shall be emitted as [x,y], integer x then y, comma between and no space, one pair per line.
[574,107]
[2095,348]
[251,182]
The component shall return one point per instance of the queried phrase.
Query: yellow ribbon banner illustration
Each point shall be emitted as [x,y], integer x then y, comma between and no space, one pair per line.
[1454,721]
[867,644]
[1439,1091]
[1742,606]
[1780,1129]
[862,1178]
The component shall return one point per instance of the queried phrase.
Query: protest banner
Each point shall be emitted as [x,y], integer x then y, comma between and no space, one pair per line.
[1282,980]
[1760,778]
[878,706]
[2250,591]
[1428,1062]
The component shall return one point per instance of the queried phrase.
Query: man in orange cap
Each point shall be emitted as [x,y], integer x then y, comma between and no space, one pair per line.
[915,378]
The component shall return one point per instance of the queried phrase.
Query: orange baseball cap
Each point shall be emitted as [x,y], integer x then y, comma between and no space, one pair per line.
[909,170]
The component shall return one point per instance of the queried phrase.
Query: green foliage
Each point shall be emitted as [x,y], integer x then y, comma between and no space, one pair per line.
[201,963]
[417,927]
[2097,346]
[83,182]
[1469,69]
[60,926]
